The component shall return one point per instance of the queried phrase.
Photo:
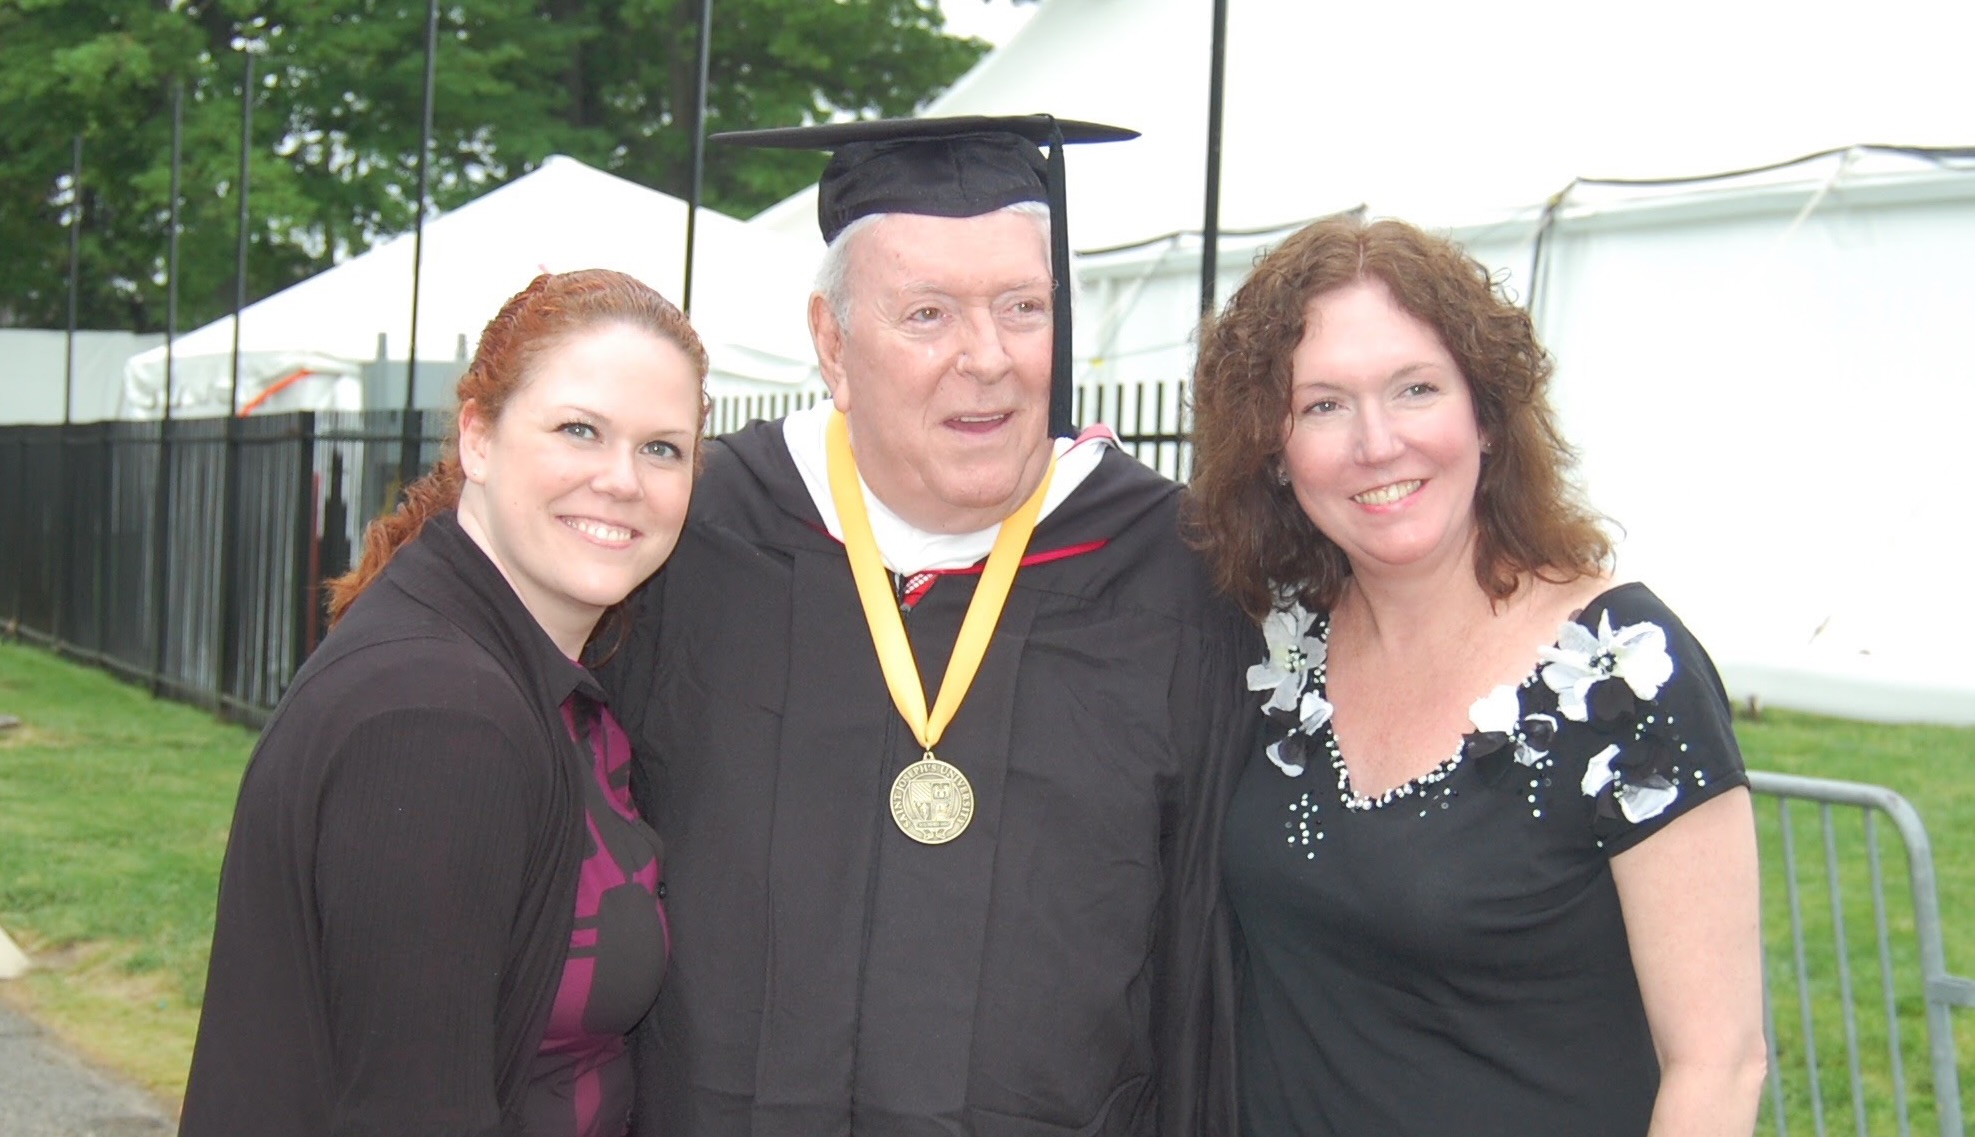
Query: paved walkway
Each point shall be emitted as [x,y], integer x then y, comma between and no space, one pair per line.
[47,1092]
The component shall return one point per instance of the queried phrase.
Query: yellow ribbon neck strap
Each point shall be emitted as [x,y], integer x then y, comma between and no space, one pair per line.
[881,609]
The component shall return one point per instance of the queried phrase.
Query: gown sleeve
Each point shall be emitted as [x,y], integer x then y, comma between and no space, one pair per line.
[1195,1027]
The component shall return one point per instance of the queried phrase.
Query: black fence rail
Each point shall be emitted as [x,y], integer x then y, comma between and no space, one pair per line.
[190,556]
[1152,421]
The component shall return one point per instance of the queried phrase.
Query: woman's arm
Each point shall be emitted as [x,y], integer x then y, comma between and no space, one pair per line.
[426,824]
[1689,894]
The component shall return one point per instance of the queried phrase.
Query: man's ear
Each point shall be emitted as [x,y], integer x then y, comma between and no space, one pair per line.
[828,335]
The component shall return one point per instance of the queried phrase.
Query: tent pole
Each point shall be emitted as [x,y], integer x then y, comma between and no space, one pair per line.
[408,445]
[228,653]
[75,281]
[161,511]
[65,507]
[240,250]
[1210,226]
[699,147]
[171,240]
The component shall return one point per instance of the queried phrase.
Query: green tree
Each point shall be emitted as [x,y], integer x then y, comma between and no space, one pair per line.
[337,101]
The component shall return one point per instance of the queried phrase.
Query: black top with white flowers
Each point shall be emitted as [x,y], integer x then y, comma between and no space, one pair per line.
[1450,957]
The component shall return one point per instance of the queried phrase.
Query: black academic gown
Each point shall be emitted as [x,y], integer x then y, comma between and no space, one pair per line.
[1061,966]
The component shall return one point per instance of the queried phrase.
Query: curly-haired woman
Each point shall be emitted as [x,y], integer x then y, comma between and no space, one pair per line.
[1494,862]
[439,911]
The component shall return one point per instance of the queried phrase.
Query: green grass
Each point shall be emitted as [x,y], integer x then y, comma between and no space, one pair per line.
[114,809]
[1934,769]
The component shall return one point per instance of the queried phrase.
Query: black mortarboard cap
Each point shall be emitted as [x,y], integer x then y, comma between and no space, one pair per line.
[950,167]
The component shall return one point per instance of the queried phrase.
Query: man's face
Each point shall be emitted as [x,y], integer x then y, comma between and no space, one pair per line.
[943,366]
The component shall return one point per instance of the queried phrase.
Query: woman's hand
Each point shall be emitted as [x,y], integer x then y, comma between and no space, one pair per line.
[1689,894]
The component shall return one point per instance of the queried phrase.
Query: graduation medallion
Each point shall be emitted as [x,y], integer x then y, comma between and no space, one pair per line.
[932,801]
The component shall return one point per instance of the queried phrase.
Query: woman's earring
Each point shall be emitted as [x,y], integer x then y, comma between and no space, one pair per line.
[1281,475]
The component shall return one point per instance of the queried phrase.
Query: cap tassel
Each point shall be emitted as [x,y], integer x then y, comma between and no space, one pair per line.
[1060,425]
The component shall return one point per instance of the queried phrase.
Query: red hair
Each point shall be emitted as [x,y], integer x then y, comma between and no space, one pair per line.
[554,307]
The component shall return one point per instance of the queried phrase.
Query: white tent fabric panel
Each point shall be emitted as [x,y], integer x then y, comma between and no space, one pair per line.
[34,364]
[1768,381]
[1450,114]
[1776,411]
[749,291]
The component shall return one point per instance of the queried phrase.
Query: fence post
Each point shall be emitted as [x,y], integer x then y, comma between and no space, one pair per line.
[102,474]
[304,600]
[161,553]
[229,534]
[11,513]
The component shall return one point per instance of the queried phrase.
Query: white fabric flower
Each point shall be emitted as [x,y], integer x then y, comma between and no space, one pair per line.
[1500,712]
[1289,675]
[1313,711]
[1293,654]
[1497,712]
[1287,753]
[1581,659]
[1637,803]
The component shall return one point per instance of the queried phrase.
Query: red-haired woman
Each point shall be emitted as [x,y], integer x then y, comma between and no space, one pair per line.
[439,912]
[1494,863]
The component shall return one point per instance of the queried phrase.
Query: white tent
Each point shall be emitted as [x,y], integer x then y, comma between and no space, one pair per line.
[1452,113]
[35,364]
[1767,372]
[304,347]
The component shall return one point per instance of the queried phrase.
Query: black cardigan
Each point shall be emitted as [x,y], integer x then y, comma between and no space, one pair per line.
[399,886]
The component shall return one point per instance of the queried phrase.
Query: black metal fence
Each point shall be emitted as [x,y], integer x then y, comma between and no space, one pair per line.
[1151,420]
[189,555]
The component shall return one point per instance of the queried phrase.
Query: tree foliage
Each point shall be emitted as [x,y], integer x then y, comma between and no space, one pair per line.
[337,101]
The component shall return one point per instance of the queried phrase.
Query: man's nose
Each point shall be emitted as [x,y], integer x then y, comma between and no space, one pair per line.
[982,354]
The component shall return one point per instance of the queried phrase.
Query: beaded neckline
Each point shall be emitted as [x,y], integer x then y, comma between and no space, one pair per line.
[1349,797]
[1607,677]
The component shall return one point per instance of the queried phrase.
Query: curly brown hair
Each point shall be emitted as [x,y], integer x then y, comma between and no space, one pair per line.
[554,307]
[1530,520]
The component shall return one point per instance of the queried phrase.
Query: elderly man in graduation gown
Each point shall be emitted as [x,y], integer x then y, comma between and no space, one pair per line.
[934,710]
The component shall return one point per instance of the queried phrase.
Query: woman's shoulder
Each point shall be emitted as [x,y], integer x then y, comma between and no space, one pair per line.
[1644,696]
[1632,605]
[1618,619]
[416,712]
[416,664]
[1628,601]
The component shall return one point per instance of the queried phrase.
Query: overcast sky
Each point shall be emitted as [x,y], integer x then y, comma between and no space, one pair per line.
[991,20]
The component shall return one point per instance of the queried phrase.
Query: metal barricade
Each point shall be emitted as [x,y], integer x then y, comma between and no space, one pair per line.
[1820,968]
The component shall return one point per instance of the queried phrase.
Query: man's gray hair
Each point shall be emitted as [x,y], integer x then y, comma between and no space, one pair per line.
[833,275]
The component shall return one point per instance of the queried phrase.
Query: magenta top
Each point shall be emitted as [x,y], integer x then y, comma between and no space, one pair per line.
[582,1084]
